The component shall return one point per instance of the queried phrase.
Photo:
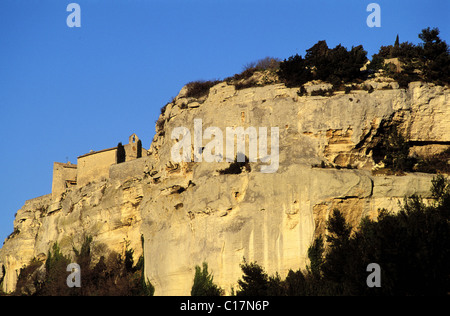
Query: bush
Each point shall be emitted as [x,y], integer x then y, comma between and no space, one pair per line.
[245,85]
[198,89]
[256,282]
[437,163]
[243,81]
[396,151]
[435,56]
[203,283]
[28,279]
[160,123]
[323,92]
[376,64]
[315,255]
[55,277]
[293,71]
[245,74]
[302,91]
[267,63]
[431,58]
[337,65]
[112,275]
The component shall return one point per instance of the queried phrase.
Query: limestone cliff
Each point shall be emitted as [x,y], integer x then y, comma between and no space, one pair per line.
[188,212]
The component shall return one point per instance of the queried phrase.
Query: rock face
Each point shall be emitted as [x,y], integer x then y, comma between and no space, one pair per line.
[105,210]
[189,213]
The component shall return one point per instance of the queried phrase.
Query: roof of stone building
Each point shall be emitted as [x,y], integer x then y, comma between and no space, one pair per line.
[97,152]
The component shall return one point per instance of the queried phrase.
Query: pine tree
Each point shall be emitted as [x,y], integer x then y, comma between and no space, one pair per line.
[203,283]
[397,151]
[315,255]
[435,56]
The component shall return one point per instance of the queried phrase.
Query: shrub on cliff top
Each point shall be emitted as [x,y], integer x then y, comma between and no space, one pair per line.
[294,72]
[337,65]
[428,61]
[198,89]
[267,63]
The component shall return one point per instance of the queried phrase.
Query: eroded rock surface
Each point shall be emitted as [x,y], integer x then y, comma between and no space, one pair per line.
[189,213]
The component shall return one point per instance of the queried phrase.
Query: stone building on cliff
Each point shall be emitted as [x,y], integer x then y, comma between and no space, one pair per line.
[92,166]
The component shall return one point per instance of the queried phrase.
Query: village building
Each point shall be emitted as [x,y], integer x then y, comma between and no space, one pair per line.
[93,166]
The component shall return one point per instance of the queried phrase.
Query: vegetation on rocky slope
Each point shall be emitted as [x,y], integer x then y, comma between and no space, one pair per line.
[111,275]
[428,61]
[411,248]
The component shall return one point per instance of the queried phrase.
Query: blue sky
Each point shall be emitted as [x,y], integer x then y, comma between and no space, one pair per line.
[65,91]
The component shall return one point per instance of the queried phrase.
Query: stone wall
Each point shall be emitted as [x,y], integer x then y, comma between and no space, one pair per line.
[64,177]
[95,166]
[129,169]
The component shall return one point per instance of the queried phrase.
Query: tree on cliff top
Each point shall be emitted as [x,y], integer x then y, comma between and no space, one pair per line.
[435,56]
[335,65]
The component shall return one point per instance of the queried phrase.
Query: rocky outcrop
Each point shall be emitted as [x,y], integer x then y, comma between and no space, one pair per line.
[107,211]
[189,212]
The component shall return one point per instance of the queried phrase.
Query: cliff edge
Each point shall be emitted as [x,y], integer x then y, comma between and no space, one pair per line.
[190,211]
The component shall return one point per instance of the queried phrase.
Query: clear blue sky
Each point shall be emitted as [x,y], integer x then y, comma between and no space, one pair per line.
[65,91]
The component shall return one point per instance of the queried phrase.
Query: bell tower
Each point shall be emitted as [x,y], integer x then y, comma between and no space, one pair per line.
[134,148]
[133,139]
